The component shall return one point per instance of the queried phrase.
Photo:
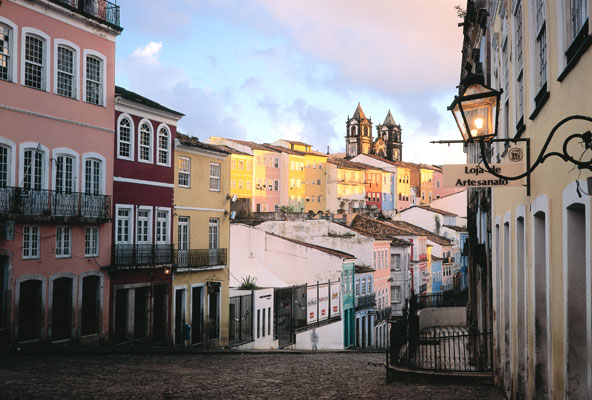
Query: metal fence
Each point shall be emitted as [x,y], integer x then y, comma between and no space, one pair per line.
[28,204]
[241,319]
[368,301]
[450,298]
[135,255]
[200,257]
[101,9]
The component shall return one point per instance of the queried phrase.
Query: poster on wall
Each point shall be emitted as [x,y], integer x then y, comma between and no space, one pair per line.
[311,304]
[335,301]
[323,302]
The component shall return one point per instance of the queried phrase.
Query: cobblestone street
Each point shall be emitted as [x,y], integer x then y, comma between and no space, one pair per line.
[215,376]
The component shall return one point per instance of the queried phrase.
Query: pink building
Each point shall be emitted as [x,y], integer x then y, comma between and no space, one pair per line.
[439,189]
[381,261]
[57,77]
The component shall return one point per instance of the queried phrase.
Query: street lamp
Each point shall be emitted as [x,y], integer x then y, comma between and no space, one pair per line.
[476,112]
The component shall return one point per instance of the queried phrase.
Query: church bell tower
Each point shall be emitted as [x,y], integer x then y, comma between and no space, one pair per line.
[358,137]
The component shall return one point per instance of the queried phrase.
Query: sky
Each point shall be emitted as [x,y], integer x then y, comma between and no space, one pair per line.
[264,70]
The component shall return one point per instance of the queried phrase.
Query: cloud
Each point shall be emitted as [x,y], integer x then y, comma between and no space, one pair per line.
[150,51]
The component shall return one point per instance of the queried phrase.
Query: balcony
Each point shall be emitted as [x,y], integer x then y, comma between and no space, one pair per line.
[383,314]
[200,258]
[101,10]
[368,301]
[25,205]
[141,255]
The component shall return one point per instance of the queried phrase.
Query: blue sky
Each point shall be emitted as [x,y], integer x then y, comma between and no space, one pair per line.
[268,69]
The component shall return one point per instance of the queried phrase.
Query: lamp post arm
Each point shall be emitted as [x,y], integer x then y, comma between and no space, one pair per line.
[586,138]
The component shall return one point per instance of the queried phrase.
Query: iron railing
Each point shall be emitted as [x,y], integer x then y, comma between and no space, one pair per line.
[441,351]
[102,10]
[200,258]
[138,255]
[27,204]
[450,298]
[383,314]
[368,301]
[241,320]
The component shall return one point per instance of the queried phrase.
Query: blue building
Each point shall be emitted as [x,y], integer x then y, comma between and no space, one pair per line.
[364,306]
[347,294]
[436,274]
[464,261]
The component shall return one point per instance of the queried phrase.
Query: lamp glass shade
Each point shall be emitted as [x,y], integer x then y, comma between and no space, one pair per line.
[476,113]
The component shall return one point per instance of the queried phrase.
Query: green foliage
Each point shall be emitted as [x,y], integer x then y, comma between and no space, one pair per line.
[248,283]
[460,12]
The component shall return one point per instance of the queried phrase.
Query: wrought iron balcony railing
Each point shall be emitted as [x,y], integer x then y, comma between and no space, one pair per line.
[102,10]
[38,205]
[141,255]
[383,314]
[368,301]
[200,258]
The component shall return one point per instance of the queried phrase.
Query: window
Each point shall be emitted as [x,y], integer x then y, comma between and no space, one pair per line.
[94,80]
[184,172]
[30,242]
[63,241]
[92,176]
[276,185]
[163,146]
[541,44]
[215,177]
[91,241]
[233,184]
[519,63]
[438,184]
[248,185]
[249,165]
[241,164]
[66,82]
[143,226]
[232,164]
[145,142]
[123,232]
[319,199]
[363,286]
[7,46]
[162,227]
[35,62]
[4,166]
[214,226]
[33,170]
[125,138]
[578,14]
[276,162]
[318,181]
[64,180]
[183,231]
[506,65]
[240,183]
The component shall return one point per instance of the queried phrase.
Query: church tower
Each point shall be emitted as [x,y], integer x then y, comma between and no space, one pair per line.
[358,137]
[390,132]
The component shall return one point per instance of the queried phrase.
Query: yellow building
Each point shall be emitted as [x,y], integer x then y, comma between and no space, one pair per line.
[201,238]
[346,185]
[426,185]
[241,174]
[293,177]
[403,191]
[540,54]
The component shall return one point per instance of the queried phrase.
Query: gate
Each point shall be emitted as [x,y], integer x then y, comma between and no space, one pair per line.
[284,328]
[241,319]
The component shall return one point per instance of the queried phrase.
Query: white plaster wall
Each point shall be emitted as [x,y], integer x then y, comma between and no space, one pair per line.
[454,203]
[444,316]
[329,337]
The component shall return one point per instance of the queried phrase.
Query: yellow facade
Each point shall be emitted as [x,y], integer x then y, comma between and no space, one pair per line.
[297,182]
[241,175]
[201,229]
[316,181]
[351,182]
[403,185]
[427,186]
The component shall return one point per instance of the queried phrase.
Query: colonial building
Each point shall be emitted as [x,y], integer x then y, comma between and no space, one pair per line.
[57,76]
[143,189]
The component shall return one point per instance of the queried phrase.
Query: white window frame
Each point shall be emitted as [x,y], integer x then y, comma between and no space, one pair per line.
[10,178]
[45,76]
[188,173]
[158,148]
[76,67]
[166,210]
[29,249]
[151,151]
[219,177]
[183,221]
[93,53]
[63,151]
[213,222]
[45,162]
[94,237]
[103,161]
[132,136]
[12,48]
[150,224]
[131,219]
[63,237]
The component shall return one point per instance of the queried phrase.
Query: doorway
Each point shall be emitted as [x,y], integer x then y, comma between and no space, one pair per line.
[30,310]
[61,309]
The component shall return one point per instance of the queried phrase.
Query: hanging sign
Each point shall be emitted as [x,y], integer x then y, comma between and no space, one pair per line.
[475,175]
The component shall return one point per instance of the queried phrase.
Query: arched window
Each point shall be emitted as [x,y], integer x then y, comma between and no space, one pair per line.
[145,142]
[6,52]
[64,177]
[92,176]
[5,156]
[163,146]
[125,138]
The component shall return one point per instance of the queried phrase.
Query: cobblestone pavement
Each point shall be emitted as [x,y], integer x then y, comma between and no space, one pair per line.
[215,376]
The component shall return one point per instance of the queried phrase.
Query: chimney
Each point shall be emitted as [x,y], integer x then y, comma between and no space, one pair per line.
[328,150]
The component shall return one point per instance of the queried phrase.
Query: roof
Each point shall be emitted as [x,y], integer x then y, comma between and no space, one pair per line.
[438,211]
[194,142]
[327,250]
[252,145]
[359,113]
[343,163]
[436,258]
[416,230]
[297,143]
[232,150]
[400,242]
[456,228]
[360,269]
[375,228]
[389,120]
[132,96]
[281,149]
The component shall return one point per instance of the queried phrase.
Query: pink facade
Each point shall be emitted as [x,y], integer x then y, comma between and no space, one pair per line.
[382,272]
[269,171]
[439,189]
[56,167]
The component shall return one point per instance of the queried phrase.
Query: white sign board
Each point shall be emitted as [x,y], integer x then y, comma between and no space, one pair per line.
[474,175]
[323,302]
[311,304]
[335,302]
